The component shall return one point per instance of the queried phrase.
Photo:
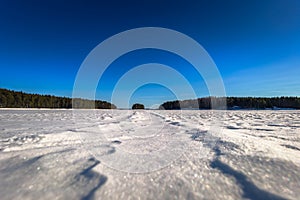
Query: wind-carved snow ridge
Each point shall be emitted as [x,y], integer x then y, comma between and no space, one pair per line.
[249,189]
[42,176]
[105,154]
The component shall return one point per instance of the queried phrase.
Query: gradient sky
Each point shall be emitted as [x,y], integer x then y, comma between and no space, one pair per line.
[255,44]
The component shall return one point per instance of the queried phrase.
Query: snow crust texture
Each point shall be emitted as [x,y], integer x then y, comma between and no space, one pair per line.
[149,154]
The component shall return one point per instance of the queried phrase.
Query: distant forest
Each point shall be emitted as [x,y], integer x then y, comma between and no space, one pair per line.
[13,99]
[234,103]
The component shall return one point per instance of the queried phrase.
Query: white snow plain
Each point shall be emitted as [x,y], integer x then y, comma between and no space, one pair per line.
[120,154]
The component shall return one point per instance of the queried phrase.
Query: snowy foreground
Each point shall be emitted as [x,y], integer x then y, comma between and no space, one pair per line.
[119,154]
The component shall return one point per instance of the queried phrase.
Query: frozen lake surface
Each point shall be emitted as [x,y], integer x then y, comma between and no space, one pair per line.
[120,154]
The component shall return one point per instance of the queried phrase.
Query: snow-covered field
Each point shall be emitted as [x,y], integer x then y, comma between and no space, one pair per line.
[119,154]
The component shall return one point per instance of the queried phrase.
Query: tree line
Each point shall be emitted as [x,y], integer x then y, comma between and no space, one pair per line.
[137,106]
[13,99]
[234,103]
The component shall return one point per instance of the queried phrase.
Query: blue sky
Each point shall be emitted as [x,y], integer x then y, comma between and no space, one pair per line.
[255,44]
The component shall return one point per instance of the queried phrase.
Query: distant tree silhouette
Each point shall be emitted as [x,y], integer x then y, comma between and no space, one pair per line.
[234,103]
[138,106]
[12,99]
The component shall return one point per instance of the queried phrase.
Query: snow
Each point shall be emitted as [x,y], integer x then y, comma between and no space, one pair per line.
[149,154]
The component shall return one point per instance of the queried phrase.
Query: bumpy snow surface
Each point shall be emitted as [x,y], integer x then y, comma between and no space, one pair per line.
[119,154]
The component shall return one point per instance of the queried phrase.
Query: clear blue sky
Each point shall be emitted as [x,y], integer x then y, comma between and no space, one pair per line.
[255,44]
